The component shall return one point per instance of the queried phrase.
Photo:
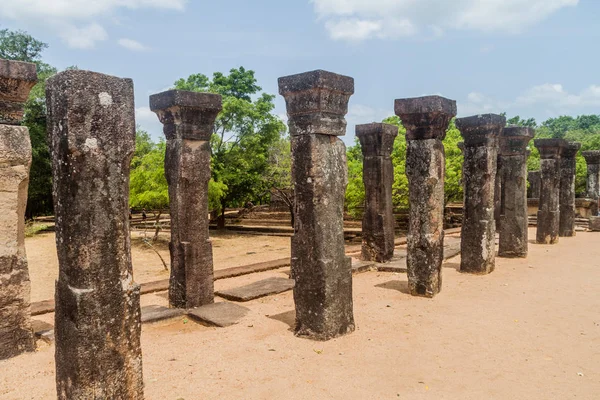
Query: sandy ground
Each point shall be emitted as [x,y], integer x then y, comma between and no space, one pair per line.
[530,330]
[229,250]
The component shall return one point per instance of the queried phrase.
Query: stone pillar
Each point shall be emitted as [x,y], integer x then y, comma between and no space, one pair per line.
[426,120]
[548,212]
[566,226]
[513,213]
[592,159]
[377,143]
[534,179]
[316,103]
[16,335]
[188,119]
[91,123]
[498,188]
[480,134]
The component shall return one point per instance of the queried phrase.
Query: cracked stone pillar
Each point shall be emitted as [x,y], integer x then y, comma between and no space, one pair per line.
[91,123]
[498,188]
[548,215]
[513,213]
[477,245]
[566,226]
[188,120]
[316,104]
[592,159]
[426,120]
[534,179]
[16,335]
[377,142]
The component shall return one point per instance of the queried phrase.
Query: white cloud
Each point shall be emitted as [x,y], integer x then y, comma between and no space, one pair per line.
[550,98]
[76,21]
[83,38]
[148,121]
[358,19]
[132,45]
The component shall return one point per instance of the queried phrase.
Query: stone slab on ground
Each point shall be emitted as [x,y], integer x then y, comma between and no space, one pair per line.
[154,313]
[221,314]
[595,224]
[361,266]
[451,247]
[255,290]
[396,265]
[43,330]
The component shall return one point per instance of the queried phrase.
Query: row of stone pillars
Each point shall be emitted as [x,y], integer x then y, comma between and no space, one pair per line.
[92,132]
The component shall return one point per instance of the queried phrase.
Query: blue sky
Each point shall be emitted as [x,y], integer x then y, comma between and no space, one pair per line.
[534,58]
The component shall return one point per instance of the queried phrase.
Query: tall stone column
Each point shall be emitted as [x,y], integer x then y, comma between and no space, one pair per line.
[534,179]
[548,215]
[477,244]
[91,123]
[16,335]
[592,159]
[377,143]
[316,103]
[426,120]
[513,214]
[188,119]
[498,189]
[566,226]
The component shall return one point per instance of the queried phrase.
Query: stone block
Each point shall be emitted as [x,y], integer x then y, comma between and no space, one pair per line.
[221,314]
[255,290]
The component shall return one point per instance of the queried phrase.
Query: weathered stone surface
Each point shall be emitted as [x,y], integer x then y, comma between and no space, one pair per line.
[595,224]
[16,80]
[513,198]
[534,179]
[548,213]
[498,190]
[255,290]
[316,104]
[592,159]
[155,313]
[91,123]
[377,142]
[188,120]
[43,331]
[221,314]
[566,226]
[16,334]
[480,134]
[426,120]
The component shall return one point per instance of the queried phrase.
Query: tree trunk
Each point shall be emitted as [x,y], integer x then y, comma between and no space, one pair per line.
[221,219]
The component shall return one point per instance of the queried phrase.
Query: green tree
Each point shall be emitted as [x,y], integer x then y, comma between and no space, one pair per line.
[20,46]
[244,133]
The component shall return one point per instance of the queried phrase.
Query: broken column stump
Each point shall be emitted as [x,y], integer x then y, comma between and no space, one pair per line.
[480,134]
[316,104]
[566,225]
[592,159]
[16,334]
[377,142]
[91,123]
[426,120]
[548,215]
[513,214]
[188,119]
[534,179]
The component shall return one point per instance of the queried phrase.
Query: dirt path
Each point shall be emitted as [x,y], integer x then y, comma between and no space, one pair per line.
[229,250]
[530,330]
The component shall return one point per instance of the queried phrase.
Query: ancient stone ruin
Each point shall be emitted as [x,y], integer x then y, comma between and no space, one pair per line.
[97,321]
[16,335]
[548,215]
[377,142]
[426,120]
[513,197]
[534,179]
[566,225]
[188,119]
[480,134]
[592,158]
[316,104]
